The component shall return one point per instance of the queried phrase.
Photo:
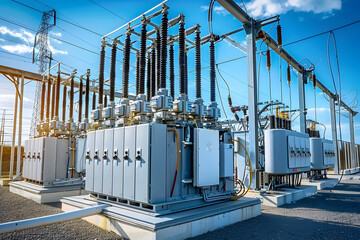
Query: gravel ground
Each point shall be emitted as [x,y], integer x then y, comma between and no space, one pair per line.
[328,215]
[14,207]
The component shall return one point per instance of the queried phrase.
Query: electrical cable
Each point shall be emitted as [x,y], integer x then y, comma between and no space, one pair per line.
[109,10]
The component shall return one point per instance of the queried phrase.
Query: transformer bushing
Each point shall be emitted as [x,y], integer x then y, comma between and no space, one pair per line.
[56,126]
[70,125]
[84,125]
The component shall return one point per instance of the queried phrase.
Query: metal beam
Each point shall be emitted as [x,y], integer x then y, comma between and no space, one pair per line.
[18,73]
[352,141]
[302,105]
[334,135]
[19,155]
[236,11]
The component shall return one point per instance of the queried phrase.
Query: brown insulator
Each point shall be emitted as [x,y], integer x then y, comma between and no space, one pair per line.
[137,83]
[64,104]
[314,80]
[87,94]
[126,66]
[57,103]
[148,79]
[101,72]
[113,71]
[80,100]
[42,108]
[279,35]
[71,98]
[105,101]
[288,74]
[53,97]
[93,101]
[268,59]
[153,72]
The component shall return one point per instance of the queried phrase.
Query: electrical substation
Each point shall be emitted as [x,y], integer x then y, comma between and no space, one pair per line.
[155,164]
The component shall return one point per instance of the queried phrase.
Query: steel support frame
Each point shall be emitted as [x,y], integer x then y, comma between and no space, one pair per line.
[302,77]
[354,164]
[334,135]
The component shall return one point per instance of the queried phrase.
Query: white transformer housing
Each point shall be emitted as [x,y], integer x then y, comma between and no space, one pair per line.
[322,154]
[286,152]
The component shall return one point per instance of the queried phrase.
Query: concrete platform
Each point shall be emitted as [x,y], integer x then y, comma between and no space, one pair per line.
[42,194]
[321,184]
[131,224]
[351,171]
[5,181]
[284,196]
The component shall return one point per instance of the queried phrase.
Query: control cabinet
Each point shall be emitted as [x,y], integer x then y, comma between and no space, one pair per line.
[286,152]
[322,154]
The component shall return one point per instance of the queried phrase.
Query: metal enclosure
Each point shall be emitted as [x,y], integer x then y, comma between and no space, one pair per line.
[98,161]
[107,161]
[89,162]
[118,163]
[286,152]
[322,154]
[80,155]
[129,163]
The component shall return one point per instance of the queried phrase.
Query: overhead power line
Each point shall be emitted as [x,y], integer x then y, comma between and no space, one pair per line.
[109,10]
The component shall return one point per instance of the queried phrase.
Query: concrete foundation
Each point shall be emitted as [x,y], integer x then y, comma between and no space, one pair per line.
[42,194]
[321,184]
[284,196]
[132,224]
[5,181]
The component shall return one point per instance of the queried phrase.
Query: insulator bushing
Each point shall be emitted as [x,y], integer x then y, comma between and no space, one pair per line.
[137,83]
[87,95]
[142,59]
[163,50]
[272,122]
[314,80]
[71,109]
[80,100]
[171,71]
[126,66]
[158,59]
[105,101]
[182,56]
[288,74]
[279,35]
[43,90]
[113,71]
[101,73]
[48,100]
[153,72]
[198,63]
[148,78]
[268,59]
[186,83]
[53,101]
[93,101]
[64,104]
[57,97]
[212,71]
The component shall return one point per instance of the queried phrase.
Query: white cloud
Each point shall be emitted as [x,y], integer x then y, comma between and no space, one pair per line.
[57,51]
[10,98]
[18,48]
[217,9]
[57,34]
[265,8]
[22,34]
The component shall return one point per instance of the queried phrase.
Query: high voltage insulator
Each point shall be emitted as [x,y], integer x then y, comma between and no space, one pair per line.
[142,58]
[101,72]
[164,32]
[148,78]
[171,71]
[279,35]
[64,104]
[212,71]
[268,59]
[43,90]
[71,98]
[314,80]
[105,101]
[57,95]
[153,72]
[126,66]
[87,94]
[80,99]
[53,98]
[288,74]
[186,73]
[93,101]
[158,59]
[48,100]
[137,83]
[182,55]
[113,71]
[198,63]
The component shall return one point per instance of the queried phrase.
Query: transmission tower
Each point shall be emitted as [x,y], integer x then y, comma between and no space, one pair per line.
[42,56]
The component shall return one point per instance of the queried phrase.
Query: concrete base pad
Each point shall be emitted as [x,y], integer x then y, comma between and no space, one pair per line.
[284,196]
[132,224]
[321,184]
[42,194]
[5,181]
[351,171]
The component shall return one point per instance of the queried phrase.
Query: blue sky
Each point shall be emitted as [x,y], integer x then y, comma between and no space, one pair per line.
[299,19]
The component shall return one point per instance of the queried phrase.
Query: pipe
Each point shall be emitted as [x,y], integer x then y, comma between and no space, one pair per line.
[164,34]
[80,100]
[87,94]
[47,220]
[182,56]
[71,98]
[53,101]
[43,90]
[113,71]
[158,59]
[153,72]
[93,101]
[57,103]
[48,101]
[198,63]
[148,78]
[126,66]
[101,73]
[142,58]
[64,104]
[212,71]
[171,71]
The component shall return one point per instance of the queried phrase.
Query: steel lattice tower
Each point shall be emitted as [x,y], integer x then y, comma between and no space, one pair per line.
[43,59]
